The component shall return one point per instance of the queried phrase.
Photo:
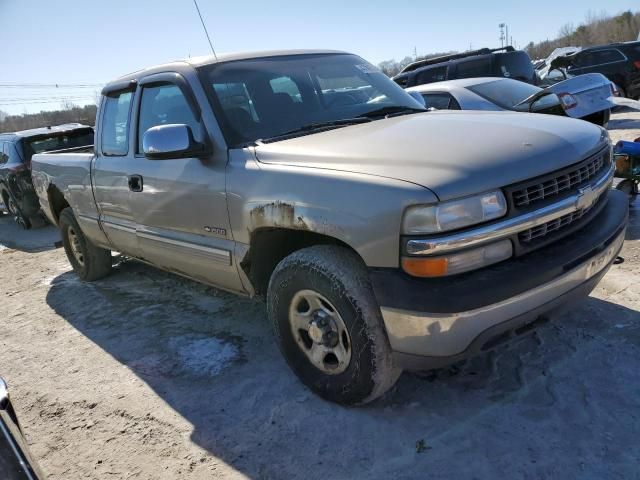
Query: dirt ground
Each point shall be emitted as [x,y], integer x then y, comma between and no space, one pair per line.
[149,376]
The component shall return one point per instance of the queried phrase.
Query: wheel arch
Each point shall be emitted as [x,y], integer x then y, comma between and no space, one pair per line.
[270,245]
[57,202]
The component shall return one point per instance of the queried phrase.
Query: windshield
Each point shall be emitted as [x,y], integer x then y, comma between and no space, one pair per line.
[59,141]
[504,93]
[268,97]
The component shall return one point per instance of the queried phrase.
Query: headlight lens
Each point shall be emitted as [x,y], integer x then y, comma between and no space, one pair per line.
[454,214]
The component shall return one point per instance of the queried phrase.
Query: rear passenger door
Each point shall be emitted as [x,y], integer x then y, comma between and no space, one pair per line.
[112,169]
[180,209]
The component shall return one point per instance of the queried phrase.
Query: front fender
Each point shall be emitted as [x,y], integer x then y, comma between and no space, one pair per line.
[362,211]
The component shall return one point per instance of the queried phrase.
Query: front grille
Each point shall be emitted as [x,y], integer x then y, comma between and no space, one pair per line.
[540,231]
[549,186]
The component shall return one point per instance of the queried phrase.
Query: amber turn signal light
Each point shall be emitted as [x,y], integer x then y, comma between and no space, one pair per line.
[425,267]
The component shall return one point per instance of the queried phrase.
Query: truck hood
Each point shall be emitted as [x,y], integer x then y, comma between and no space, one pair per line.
[451,153]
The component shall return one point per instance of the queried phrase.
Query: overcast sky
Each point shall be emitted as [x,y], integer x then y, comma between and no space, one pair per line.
[89,42]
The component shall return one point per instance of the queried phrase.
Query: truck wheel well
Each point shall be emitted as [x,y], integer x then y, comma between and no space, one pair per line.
[270,245]
[57,202]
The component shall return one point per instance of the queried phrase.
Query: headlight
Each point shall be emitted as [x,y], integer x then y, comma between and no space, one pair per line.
[454,214]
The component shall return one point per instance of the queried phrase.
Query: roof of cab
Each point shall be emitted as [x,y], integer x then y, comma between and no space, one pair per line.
[36,132]
[211,59]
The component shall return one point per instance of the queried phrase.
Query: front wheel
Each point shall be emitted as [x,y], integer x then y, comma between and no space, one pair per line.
[88,261]
[328,325]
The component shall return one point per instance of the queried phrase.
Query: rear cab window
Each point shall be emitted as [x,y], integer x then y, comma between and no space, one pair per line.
[115,124]
[60,141]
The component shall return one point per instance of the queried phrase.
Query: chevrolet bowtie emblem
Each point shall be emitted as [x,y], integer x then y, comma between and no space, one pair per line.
[586,198]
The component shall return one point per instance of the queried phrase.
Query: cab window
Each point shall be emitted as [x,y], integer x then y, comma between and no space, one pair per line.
[115,124]
[164,105]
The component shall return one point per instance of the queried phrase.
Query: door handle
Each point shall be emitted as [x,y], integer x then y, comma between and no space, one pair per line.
[135,183]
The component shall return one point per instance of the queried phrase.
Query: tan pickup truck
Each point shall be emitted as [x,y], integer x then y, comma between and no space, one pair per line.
[384,236]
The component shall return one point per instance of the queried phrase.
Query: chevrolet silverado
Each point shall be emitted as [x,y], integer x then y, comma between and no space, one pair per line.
[383,236]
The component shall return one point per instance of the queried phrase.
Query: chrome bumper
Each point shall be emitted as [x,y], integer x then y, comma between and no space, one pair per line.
[447,335]
[582,199]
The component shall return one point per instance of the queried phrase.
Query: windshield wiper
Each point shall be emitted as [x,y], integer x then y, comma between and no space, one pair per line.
[392,111]
[312,127]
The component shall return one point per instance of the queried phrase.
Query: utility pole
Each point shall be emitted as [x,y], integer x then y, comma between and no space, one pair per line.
[501,27]
[415,53]
[507,34]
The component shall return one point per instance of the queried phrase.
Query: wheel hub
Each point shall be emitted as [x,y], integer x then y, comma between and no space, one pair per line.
[320,332]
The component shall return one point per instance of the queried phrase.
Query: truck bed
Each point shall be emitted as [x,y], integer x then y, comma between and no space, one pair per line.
[55,174]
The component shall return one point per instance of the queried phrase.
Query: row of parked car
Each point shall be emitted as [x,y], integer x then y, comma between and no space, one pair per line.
[388,229]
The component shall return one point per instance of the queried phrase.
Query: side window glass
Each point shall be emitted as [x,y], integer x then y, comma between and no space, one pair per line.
[608,56]
[474,68]
[583,60]
[432,75]
[288,86]
[3,153]
[441,101]
[115,124]
[164,105]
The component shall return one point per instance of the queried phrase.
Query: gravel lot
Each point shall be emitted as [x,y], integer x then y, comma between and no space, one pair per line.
[146,375]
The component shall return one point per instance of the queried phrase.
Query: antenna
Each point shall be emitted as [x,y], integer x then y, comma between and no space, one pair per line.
[205,30]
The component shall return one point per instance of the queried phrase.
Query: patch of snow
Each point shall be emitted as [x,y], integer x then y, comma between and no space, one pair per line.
[203,355]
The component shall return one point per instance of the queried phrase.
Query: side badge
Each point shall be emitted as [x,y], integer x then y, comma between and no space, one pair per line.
[216,231]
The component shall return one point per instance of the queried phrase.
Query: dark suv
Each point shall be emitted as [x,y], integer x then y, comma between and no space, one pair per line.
[497,62]
[619,62]
[16,150]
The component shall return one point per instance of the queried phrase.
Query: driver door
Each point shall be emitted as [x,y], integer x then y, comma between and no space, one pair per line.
[180,205]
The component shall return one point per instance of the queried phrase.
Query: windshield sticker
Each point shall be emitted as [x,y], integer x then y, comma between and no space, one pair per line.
[366,68]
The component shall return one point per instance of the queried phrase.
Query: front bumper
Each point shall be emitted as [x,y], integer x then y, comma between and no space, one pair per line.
[434,322]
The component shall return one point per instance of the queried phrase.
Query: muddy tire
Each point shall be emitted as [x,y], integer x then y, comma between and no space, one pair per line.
[328,325]
[88,261]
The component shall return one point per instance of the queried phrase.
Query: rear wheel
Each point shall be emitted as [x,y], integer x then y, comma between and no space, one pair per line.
[14,211]
[328,325]
[88,261]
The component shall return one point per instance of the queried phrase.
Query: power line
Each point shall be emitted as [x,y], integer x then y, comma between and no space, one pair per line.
[51,85]
[205,30]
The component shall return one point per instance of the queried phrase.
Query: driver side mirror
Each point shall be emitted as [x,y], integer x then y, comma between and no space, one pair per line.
[171,141]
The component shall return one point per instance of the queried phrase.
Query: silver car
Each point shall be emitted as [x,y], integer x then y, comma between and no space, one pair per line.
[587,97]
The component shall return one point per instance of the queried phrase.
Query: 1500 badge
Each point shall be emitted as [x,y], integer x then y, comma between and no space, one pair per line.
[216,230]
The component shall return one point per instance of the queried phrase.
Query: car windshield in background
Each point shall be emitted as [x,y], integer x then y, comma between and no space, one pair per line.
[273,96]
[59,141]
[505,93]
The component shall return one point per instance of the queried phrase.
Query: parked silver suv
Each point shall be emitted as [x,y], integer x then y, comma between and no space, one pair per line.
[384,237]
